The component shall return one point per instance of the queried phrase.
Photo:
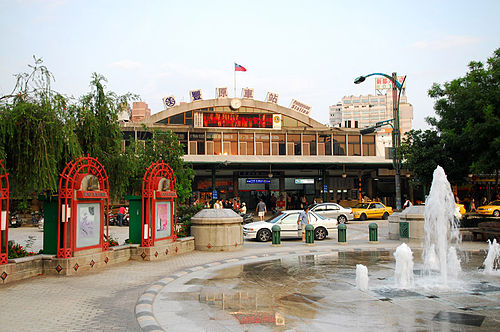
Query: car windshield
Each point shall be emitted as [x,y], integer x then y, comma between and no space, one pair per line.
[275,219]
[319,216]
[495,203]
[361,206]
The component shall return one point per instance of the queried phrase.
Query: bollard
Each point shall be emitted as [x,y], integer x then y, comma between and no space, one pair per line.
[342,230]
[276,235]
[373,232]
[309,234]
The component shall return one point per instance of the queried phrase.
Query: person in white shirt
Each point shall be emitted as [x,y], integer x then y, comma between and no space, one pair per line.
[243,208]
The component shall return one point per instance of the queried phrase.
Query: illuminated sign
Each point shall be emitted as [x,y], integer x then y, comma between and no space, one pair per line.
[383,83]
[304,181]
[256,181]
[300,107]
[169,101]
[232,120]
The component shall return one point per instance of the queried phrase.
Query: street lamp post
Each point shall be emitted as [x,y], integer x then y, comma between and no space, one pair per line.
[397,87]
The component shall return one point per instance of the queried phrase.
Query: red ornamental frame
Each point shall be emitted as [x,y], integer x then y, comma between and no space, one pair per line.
[70,195]
[152,193]
[4,215]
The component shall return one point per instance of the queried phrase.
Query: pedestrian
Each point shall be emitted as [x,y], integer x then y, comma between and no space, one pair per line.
[243,209]
[261,209]
[303,221]
[119,216]
[472,206]
[218,204]
[407,204]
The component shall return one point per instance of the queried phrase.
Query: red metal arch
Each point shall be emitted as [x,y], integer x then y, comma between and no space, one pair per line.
[150,186]
[69,178]
[4,214]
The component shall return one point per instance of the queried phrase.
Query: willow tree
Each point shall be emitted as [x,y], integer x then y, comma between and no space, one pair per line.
[36,132]
[99,133]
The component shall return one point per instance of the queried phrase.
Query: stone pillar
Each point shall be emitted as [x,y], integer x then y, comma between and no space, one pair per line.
[217,230]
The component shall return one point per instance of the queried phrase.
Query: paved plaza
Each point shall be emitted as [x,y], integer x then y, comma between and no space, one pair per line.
[133,296]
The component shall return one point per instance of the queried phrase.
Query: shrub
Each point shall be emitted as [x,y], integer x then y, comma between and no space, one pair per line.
[184,215]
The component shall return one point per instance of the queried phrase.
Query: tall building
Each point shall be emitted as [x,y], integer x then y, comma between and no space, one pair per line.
[335,119]
[365,111]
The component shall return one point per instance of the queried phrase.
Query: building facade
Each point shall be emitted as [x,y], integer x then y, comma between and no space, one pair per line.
[257,149]
[365,111]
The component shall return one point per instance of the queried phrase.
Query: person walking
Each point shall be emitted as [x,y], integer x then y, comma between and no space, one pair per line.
[261,209]
[119,216]
[303,221]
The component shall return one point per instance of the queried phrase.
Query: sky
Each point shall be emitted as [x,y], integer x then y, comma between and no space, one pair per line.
[310,51]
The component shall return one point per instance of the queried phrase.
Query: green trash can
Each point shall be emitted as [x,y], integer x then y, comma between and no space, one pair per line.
[342,233]
[373,232]
[276,235]
[309,234]
[135,219]
[404,230]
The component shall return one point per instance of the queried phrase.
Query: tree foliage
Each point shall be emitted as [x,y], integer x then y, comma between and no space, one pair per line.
[466,135]
[36,136]
[163,146]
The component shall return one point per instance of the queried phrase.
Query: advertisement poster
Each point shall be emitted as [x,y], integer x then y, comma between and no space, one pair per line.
[163,219]
[88,226]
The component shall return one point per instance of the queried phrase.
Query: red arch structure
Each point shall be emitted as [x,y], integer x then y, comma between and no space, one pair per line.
[158,187]
[4,214]
[72,192]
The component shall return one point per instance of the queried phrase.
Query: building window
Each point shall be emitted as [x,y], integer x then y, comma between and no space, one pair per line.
[339,145]
[230,144]
[197,143]
[354,145]
[293,144]
[309,145]
[262,144]
[278,145]
[325,145]
[369,145]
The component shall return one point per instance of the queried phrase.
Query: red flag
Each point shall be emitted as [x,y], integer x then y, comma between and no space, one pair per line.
[237,67]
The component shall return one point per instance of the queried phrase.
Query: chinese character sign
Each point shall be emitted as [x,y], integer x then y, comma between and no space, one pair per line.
[383,83]
[195,95]
[300,107]
[272,97]
[237,120]
[247,93]
[221,92]
[169,101]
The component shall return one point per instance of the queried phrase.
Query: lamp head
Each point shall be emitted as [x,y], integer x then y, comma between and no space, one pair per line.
[359,79]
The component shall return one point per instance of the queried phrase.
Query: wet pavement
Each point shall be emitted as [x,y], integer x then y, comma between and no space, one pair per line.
[291,287]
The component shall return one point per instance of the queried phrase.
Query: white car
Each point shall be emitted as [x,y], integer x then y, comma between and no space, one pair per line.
[287,220]
[334,211]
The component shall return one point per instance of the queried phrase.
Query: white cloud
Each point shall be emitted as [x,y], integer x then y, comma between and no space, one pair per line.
[446,42]
[126,64]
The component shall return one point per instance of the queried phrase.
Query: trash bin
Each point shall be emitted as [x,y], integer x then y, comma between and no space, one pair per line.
[276,235]
[342,233]
[309,234]
[373,232]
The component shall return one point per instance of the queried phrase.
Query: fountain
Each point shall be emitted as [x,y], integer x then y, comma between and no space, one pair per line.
[361,277]
[441,229]
[403,272]
[492,260]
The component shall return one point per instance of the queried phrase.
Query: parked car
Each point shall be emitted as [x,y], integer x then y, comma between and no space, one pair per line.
[460,211]
[492,209]
[287,220]
[333,211]
[371,210]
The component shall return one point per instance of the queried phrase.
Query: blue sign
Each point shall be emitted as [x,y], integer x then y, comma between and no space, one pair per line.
[325,187]
[254,181]
[214,194]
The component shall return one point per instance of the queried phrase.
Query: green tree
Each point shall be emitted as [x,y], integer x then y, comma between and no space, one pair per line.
[163,146]
[36,132]
[99,133]
[466,133]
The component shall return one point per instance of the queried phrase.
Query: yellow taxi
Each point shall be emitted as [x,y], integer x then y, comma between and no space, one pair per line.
[371,210]
[492,209]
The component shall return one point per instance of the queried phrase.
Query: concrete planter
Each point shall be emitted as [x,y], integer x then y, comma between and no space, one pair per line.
[217,230]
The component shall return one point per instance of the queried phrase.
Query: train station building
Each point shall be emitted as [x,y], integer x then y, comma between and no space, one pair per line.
[251,149]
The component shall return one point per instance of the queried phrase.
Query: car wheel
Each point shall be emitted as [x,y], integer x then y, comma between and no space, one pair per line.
[385,216]
[264,235]
[342,219]
[496,213]
[362,217]
[320,233]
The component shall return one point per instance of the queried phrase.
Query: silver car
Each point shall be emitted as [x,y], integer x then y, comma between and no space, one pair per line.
[333,211]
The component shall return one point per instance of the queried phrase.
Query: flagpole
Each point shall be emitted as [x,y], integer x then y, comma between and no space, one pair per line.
[234,79]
